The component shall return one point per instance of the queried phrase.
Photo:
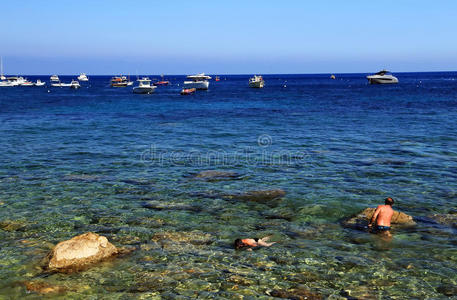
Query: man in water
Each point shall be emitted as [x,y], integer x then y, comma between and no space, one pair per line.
[251,243]
[382,216]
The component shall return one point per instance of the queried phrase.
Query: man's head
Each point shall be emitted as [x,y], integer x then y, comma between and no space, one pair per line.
[239,244]
[389,201]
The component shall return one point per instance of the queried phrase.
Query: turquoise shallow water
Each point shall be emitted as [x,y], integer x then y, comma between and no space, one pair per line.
[88,160]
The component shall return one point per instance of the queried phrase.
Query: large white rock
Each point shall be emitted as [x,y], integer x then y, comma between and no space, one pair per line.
[80,251]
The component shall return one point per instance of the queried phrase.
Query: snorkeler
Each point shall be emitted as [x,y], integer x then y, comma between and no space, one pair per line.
[248,244]
[382,216]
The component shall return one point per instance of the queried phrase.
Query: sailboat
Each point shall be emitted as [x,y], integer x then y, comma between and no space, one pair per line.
[2,77]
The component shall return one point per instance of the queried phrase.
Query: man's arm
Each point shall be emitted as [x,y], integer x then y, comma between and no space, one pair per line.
[375,215]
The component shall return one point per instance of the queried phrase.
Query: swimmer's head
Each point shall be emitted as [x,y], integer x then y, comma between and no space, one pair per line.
[389,201]
[239,244]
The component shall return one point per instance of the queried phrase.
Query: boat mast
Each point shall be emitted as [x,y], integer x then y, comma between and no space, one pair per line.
[1,68]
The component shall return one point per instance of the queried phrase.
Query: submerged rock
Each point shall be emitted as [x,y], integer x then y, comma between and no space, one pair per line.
[214,175]
[295,294]
[41,287]
[191,237]
[361,220]
[445,219]
[262,196]
[161,205]
[80,251]
[11,225]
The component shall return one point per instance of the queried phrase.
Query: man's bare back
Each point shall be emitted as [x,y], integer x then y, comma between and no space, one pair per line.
[382,216]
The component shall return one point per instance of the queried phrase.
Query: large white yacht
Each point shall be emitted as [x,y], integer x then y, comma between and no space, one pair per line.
[83,77]
[54,78]
[144,86]
[198,81]
[256,82]
[382,77]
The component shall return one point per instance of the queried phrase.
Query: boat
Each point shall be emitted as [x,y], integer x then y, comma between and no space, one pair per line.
[27,83]
[332,77]
[144,86]
[217,78]
[256,82]
[120,81]
[188,91]
[83,77]
[55,78]
[198,81]
[163,82]
[75,84]
[13,81]
[382,77]
[39,83]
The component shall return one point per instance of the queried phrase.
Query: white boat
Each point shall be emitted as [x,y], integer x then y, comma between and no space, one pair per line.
[382,77]
[198,81]
[27,83]
[83,77]
[40,83]
[55,78]
[75,84]
[256,82]
[144,86]
[14,81]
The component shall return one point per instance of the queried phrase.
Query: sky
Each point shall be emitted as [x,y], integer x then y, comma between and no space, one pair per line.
[227,37]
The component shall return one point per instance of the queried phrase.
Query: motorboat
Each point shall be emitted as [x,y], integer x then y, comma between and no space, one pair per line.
[163,82]
[55,78]
[217,78]
[198,81]
[144,86]
[120,81]
[256,82]
[83,77]
[27,83]
[188,91]
[382,77]
[13,81]
[74,84]
[39,83]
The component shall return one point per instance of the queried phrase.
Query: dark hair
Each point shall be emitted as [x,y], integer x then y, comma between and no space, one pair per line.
[238,244]
[389,201]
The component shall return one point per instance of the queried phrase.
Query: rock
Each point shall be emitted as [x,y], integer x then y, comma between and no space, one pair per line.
[214,175]
[447,290]
[445,219]
[361,220]
[161,205]
[295,294]
[43,287]
[80,251]
[188,237]
[11,225]
[263,196]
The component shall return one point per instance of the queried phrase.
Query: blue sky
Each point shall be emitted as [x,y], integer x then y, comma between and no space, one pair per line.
[227,37]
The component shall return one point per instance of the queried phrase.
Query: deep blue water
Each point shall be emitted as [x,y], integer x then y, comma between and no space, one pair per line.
[87,160]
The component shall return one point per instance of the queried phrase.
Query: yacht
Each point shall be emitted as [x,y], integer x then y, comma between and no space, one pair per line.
[144,86]
[83,77]
[256,82]
[198,81]
[25,82]
[55,78]
[120,81]
[75,84]
[14,81]
[382,77]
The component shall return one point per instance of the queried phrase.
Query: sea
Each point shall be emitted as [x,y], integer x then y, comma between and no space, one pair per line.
[128,167]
